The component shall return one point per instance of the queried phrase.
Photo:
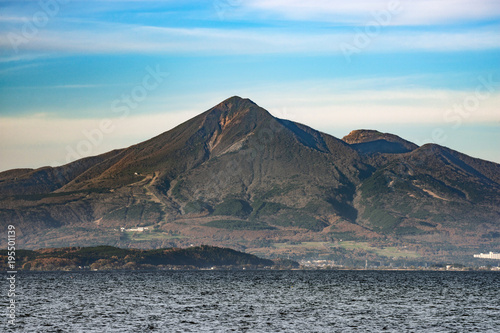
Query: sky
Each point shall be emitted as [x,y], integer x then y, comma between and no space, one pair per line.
[80,78]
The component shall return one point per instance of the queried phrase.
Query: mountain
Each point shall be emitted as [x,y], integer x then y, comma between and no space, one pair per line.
[237,176]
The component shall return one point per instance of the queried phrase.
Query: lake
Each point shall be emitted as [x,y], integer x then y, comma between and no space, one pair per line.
[255,301]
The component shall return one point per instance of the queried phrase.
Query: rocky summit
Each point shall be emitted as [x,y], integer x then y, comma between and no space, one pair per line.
[238,177]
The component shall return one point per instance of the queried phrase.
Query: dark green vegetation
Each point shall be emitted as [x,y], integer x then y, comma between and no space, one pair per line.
[150,212]
[107,257]
[233,207]
[236,168]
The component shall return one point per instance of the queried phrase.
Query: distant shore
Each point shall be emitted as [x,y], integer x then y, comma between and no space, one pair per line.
[106,258]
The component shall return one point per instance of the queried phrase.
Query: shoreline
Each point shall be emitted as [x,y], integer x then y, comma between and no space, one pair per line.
[214,269]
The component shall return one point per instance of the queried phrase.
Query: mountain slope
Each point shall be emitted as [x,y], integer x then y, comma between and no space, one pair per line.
[432,186]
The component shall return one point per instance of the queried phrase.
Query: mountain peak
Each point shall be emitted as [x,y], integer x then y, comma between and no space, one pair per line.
[372,141]
[238,99]
[235,110]
[235,103]
[362,136]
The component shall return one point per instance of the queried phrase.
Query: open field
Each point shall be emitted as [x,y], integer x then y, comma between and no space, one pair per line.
[303,245]
[390,252]
[384,252]
[148,236]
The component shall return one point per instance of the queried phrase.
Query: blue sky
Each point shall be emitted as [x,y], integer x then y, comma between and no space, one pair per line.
[428,71]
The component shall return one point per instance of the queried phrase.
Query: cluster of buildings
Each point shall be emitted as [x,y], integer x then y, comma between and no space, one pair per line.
[318,263]
[138,229]
[490,255]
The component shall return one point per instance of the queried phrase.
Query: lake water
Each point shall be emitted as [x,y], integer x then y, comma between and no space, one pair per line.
[256,301]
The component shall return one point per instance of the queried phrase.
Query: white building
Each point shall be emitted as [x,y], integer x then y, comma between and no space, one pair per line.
[490,255]
[139,229]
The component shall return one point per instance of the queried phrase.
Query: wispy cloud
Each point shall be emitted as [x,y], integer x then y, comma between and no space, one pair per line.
[147,39]
[422,12]
[18,68]
[338,21]
[21,58]
[13,19]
